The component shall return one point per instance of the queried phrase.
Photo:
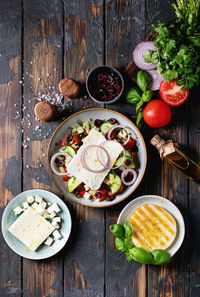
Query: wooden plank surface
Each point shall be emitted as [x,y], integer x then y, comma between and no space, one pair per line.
[10,134]
[43,31]
[40,44]
[84,44]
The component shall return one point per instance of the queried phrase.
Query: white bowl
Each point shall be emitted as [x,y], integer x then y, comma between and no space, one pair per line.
[43,251]
[168,206]
[84,116]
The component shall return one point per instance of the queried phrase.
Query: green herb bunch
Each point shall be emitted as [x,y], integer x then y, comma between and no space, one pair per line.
[178,43]
[123,234]
[141,95]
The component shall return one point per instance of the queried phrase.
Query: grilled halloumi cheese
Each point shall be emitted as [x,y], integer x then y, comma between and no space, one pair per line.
[153,227]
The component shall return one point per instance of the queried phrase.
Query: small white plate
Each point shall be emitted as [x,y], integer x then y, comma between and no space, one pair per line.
[168,206]
[43,251]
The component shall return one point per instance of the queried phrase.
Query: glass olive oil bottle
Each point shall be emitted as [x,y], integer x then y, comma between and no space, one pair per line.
[169,151]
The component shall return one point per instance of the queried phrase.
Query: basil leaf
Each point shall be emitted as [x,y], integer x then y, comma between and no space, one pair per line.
[146,96]
[128,229]
[117,230]
[143,80]
[128,243]
[129,255]
[139,118]
[139,104]
[119,243]
[133,95]
[141,255]
[160,257]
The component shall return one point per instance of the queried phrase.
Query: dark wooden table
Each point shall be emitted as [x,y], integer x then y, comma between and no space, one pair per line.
[40,43]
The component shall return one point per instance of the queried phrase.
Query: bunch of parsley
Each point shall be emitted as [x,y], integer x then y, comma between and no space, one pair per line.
[178,43]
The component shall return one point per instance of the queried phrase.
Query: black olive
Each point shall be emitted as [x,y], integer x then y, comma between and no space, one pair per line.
[61,163]
[98,122]
[135,149]
[97,194]
[128,162]
[112,121]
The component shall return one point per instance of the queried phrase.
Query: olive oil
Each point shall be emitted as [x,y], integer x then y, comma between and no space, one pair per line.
[175,157]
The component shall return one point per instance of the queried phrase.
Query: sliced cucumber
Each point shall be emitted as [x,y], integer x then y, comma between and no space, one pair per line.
[73,183]
[124,165]
[105,127]
[115,182]
[128,154]
[80,130]
[69,150]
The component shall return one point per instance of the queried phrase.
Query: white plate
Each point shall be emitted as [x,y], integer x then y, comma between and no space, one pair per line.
[167,205]
[43,251]
[84,116]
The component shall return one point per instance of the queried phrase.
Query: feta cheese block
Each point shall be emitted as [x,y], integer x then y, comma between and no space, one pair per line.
[31,228]
[91,179]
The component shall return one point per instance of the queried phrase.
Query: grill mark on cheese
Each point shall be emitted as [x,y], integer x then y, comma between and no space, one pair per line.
[165,213]
[139,240]
[153,226]
[141,232]
[137,236]
[161,221]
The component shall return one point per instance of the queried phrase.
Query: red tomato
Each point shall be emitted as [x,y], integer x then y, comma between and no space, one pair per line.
[62,141]
[157,113]
[75,138]
[66,178]
[121,189]
[133,154]
[173,94]
[82,193]
[130,144]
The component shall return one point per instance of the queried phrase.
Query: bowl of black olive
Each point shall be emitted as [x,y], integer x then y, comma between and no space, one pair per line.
[105,84]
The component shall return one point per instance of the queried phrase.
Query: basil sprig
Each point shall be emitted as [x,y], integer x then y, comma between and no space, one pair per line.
[123,234]
[141,95]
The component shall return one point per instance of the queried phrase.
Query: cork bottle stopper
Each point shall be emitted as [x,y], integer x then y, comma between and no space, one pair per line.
[164,147]
[68,88]
[43,111]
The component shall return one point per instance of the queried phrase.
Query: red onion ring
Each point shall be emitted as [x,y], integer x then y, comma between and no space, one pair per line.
[83,158]
[156,79]
[138,55]
[52,163]
[126,171]
[108,166]
[128,130]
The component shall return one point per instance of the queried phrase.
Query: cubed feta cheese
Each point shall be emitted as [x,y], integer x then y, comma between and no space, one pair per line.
[46,214]
[79,129]
[38,198]
[86,187]
[56,225]
[52,215]
[54,207]
[87,195]
[38,208]
[25,204]
[122,134]
[57,219]
[43,204]
[17,210]
[30,199]
[48,241]
[57,234]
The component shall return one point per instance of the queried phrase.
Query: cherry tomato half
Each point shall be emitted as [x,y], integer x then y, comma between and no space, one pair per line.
[173,94]
[130,144]
[66,178]
[157,113]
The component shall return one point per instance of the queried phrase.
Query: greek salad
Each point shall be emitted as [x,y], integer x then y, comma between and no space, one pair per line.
[97,159]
